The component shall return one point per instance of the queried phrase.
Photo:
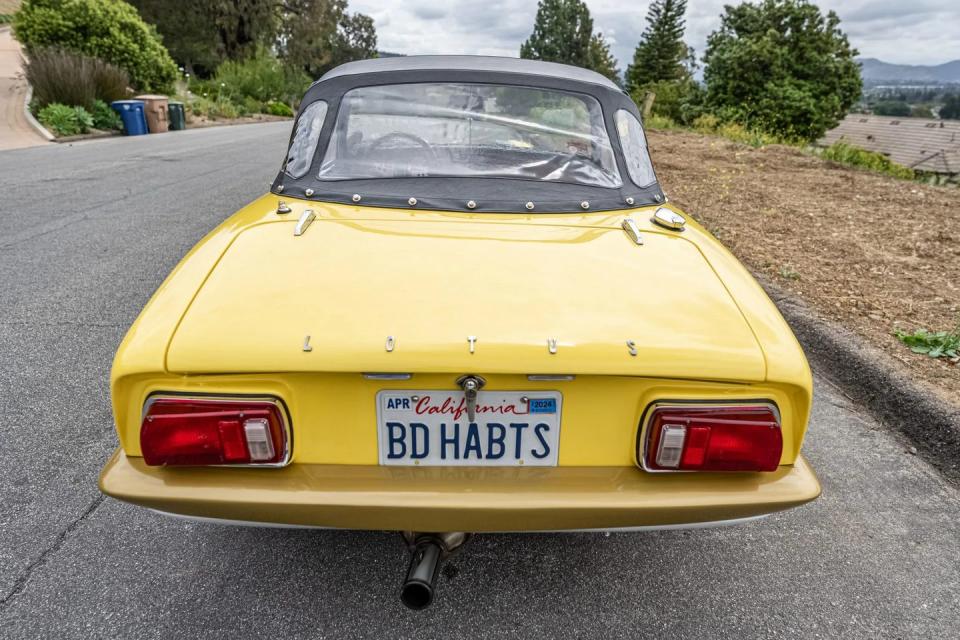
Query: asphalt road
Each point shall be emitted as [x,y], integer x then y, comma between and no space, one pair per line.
[87,232]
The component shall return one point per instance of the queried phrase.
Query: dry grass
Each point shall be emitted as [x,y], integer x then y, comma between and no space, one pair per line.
[870,252]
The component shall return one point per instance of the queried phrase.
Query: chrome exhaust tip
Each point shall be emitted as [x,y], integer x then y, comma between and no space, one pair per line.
[420,586]
[427,550]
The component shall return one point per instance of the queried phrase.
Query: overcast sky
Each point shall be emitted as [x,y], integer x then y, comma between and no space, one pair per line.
[913,32]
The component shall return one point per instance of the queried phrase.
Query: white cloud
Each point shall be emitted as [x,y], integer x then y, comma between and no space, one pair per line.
[918,32]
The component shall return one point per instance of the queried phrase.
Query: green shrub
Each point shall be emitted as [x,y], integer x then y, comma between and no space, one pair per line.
[6,18]
[251,106]
[213,109]
[892,108]
[278,109]
[105,118]
[679,100]
[111,30]
[83,118]
[660,122]
[262,77]
[847,154]
[65,120]
[752,137]
[706,123]
[711,124]
[68,78]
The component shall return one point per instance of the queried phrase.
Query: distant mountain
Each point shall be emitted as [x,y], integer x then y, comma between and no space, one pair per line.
[876,71]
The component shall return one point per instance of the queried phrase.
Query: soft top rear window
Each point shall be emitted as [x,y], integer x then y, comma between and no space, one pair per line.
[470,130]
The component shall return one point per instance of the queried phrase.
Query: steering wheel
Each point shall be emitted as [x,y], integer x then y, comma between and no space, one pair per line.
[402,135]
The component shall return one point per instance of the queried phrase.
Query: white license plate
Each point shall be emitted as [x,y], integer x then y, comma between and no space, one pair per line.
[432,428]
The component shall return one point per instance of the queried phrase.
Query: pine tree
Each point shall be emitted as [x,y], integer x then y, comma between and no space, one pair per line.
[563,32]
[601,58]
[661,53]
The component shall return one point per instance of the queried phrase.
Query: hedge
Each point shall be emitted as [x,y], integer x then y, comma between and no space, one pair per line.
[111,30]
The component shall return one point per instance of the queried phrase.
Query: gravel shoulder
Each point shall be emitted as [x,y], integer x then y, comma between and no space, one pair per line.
[871,253]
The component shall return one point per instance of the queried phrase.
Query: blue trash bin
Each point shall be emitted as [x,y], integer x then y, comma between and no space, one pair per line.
[134,116]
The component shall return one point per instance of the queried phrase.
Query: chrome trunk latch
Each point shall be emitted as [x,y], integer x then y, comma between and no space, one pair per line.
[471,385]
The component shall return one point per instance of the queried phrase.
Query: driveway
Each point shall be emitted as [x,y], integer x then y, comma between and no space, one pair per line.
[88,231]
[15,130]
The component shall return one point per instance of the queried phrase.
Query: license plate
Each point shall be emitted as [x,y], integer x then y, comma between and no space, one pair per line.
[432,428]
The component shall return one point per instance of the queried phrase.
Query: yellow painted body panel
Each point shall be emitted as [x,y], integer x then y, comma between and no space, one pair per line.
[232,317]
[430,283]
[459,499]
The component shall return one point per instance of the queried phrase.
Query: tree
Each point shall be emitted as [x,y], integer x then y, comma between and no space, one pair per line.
[318,35]
[892,108]
[661,54]
[563,32]
[243,25]
[110,30]
[951,107]
[601,58]
[203,33]
[189,33]
[782,67]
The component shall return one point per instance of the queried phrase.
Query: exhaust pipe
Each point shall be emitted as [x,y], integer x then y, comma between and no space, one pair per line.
[420,586]
[426,552]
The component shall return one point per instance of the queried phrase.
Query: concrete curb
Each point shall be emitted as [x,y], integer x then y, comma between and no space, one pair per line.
[39,128]
[869,376]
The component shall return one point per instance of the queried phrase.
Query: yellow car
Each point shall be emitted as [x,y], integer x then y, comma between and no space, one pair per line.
[464,306]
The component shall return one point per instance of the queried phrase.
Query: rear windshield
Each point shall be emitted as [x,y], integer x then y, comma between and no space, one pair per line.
[470,130]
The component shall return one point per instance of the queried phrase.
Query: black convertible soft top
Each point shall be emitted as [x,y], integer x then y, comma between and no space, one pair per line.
[485,194]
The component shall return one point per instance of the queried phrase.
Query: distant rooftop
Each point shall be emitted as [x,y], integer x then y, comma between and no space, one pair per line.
[471,63]
[923,144]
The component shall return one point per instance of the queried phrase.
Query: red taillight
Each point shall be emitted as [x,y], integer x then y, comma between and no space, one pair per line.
[705,438]
[201,431]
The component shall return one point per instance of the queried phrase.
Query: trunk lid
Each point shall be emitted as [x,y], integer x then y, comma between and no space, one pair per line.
[431,284]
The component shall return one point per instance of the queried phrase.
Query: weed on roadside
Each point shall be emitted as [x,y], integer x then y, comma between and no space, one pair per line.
[788,273]
[936,344]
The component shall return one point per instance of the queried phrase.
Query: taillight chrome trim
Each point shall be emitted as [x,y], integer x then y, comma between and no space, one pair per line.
[641,452]
[237,399]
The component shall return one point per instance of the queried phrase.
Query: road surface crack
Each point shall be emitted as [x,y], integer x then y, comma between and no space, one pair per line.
[21,582]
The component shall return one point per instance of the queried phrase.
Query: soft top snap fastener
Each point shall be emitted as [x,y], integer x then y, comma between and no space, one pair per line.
[412,202]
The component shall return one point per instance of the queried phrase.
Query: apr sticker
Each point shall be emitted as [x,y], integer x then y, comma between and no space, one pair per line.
[543,405]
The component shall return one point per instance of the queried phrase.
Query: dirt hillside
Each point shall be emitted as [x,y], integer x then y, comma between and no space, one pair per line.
[870,252]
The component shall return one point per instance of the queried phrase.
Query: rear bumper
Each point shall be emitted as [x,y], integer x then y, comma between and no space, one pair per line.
[457,499]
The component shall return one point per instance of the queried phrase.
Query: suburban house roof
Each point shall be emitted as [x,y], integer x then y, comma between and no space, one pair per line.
[923,144]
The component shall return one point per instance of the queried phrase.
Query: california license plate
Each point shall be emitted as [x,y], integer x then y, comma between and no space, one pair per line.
[433,428]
